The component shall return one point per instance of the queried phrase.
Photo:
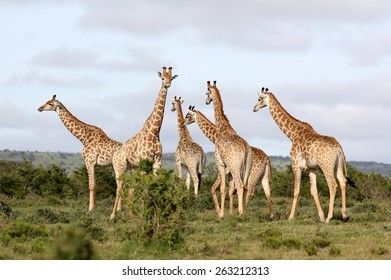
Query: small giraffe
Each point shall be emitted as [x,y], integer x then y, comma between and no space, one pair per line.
[311,151]
[146,143]
[98,148]
[232,151]
[260,169]
[188,153]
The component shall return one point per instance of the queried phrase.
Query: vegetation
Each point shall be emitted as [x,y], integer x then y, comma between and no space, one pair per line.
[44,215]
[72,161]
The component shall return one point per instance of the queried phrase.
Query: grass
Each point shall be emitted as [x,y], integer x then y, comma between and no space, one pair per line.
[46,228]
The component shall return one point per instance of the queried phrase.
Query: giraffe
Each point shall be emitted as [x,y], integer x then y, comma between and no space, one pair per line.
[146,143]
[188,153]
[260,169]
[98,148]
[232,151]
[310,150]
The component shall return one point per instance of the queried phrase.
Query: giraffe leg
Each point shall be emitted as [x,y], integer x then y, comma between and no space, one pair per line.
[119,169]
[188,181]
[91,184]
[231,193]
[333,189]
[296,190]
[222,192]
[192,174]
[314,193]
[239,191]
[213,191]
[342,182]
[157,165]
[266,188]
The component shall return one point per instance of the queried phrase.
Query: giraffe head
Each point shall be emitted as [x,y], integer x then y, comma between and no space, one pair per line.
[211,92]
[263,99]
[190,116]
[51,105]
[176,102]
[167,76]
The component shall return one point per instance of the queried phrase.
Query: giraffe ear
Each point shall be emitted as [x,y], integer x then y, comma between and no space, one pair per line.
[174,77]
[183,101]
[159,73]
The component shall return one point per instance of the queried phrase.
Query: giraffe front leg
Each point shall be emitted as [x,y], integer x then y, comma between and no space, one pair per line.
[314,193]
[91,184]
[296,190]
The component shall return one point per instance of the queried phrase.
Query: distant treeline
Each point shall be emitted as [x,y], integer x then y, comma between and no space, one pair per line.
[72,161]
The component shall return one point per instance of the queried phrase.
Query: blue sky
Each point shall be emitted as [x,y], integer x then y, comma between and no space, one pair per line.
[328,62]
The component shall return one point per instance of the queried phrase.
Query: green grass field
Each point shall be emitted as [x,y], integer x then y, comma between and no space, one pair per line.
[51,228]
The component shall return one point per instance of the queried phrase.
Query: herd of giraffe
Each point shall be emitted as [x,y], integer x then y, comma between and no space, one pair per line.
[243,165]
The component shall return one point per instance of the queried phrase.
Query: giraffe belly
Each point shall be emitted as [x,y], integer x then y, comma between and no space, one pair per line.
[305,162]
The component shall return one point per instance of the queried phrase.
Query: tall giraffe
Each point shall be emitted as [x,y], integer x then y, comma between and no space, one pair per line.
[232,151]
[260,169]
[188,153]
[146,143]
[98,148]
[311,151]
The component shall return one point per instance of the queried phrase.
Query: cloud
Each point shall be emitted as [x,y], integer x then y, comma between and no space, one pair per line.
[129,59]
[263,25]
[31,78]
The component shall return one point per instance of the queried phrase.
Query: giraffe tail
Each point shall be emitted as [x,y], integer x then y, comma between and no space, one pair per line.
[348,180]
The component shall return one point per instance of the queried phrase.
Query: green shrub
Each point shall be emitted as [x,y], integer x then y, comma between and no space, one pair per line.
[273,242]
[334,251]
[292,243]
[23,231]
[158,205]
[5,208]
[105,181]
[379,251]
[321,242]
[74,245]
[311,249]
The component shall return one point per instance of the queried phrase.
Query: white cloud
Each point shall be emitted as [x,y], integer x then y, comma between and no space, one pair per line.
[32,78]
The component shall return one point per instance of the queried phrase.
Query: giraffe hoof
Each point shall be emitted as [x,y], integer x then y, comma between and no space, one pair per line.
[345,219]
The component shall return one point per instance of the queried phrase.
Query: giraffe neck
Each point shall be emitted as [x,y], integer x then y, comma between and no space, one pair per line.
[182,128]
[78,128]
[154,122]
[207,127]
[222,122]
[290,126]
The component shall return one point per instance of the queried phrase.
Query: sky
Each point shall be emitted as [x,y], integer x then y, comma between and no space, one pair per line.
[328,62]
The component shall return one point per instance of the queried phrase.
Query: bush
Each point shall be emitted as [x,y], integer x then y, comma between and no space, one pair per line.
[157,205]
[17,179]
[23,231]
[5,208]
[106,185]
[74,245]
